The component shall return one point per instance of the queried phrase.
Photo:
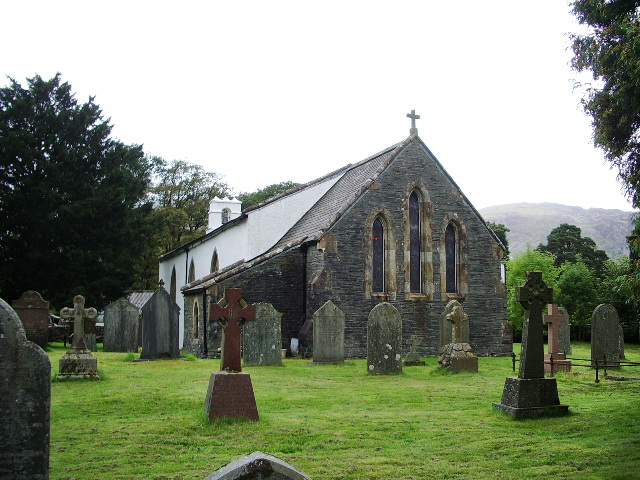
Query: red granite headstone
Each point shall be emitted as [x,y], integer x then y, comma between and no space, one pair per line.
[34,315]
[555,359]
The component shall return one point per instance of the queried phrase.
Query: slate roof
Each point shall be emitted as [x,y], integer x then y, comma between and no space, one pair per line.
[140,297]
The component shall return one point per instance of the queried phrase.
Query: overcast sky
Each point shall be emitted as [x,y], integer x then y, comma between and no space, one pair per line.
[267,91]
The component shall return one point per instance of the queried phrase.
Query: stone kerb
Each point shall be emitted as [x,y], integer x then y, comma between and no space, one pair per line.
[328,334]
[384,340]
[605,340]
[262,338]
[121,326]
[25,400]
[258,466]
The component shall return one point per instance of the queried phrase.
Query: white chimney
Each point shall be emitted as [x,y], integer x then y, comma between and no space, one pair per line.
[223,210]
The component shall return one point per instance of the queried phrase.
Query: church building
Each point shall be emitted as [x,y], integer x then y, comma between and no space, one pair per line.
[393,227]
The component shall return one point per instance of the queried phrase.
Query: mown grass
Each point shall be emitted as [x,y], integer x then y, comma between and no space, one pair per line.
[144,420]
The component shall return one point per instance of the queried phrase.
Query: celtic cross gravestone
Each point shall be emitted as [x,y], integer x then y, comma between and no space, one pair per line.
[78,362]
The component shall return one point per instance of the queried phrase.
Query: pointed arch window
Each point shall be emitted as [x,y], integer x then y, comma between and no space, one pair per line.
[196,320]
[192,271]
[451,246]
[378,256]
[215,264]
[173,287]
[415,244]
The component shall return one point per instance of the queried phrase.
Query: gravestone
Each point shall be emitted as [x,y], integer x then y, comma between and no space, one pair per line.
[413,357]
[384,340]
[78,362]
[33,312]
[160,320]
[258,466]
[531,395]
[605,339]
[328,334]
[25,400]
[564,341]
[230,392]
[445,326]
[90,334]
[121,326]
[262,339]
[555,360]
[457,356]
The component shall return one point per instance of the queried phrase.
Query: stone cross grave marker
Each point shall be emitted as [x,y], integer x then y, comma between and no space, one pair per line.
[79,313]
[534,295]
[262,339]
[25,401]
[231,312]
[459,325]
[445,326]
[605,339]
[34,315]
[384,340]
[328,334]
[413,357]
[121,326]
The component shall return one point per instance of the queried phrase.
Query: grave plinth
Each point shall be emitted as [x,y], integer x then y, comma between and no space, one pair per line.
[78,362]
[531,395]
[230,392]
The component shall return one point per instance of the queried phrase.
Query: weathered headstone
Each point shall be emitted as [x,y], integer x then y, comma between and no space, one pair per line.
[531,395]
[78,362]
[555,360]
[564,341]
[605,338]
[25,400]
[457,355]
[413,357]
[121,326]
[328,334]
[33,312]
[262,339]
[384,340]
[258,466]
[230,392]
[160,320]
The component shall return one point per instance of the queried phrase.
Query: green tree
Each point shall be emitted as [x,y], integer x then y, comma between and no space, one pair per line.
[263,194]
[566,244]
[501,231]
[619,288]
[577,293]
[611,52]
[517,268]
[72,199]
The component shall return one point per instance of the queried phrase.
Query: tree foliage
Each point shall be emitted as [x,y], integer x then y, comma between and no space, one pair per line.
[72,209]
[501,231]
[577,293]
[567,245]
[263,194]
[611,52]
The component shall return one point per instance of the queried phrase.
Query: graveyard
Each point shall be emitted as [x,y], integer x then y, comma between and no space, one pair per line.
[145,420]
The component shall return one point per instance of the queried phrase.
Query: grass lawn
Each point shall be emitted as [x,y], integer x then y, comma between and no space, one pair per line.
[144,420]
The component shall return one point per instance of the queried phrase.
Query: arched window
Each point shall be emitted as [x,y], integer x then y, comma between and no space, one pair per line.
[225,215]
[415,244]
[450,245]
[192,271]
[173,287]
[215,264]
[196,320]
[378,256]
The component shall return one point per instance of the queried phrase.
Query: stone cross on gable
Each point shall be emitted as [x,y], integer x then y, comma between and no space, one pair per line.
[231,312]
[534,295]
[79,313]
[413,118]
[554,319]
[457,318]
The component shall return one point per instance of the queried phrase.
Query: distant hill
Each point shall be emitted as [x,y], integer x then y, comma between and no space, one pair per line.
[530,223]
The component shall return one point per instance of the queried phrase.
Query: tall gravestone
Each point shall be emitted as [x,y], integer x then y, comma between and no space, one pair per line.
[78,362]
[160,320]
[262,339]
[328,334]
[258,466]
[564,340]
[230,392]
[33,312]
[121,326]
[605,339]
[384,340]
[25,400]
[555,360]
[531,395]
